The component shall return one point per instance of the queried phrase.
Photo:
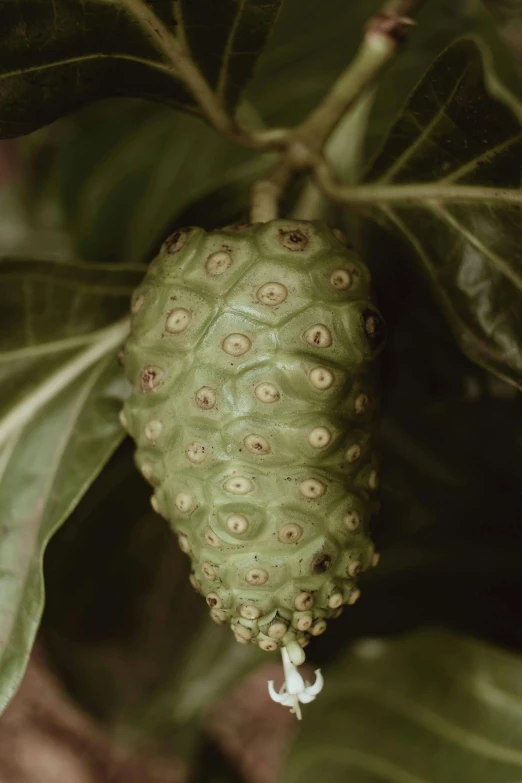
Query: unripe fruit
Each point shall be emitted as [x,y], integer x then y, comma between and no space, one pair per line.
[253,408]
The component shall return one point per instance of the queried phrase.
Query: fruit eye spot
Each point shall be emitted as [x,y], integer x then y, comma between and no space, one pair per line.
[137,304]
[205,398]
[241,633]
[238,485]
[304,601]
[362,403]
[196,452]
[153,430]
[321,563]
[373,327]
[239,226]
[312,488]
[214,601]
[354,568]
[237,523]
[335,600]
[277,630]
[352,521]
[208,571]
[321,378]
[290,533]
[177,240]
[213,540]
[194,582]
[249,612]
[353,453]
[293,240]
[267,392]
[319,336]
[340,236]
[268,645]
[218,616]
[218,262]
[151,379]
[257,444]
[177,320]
[319,437]
[354,597]
[184,544]
[256,576]
[304,623]
[272,294]
[236,344]
[341,279]
[373,480]
[183,501]
[318,628]
[146,471]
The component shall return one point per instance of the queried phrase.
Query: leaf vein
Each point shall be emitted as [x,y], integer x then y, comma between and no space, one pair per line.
[402,159]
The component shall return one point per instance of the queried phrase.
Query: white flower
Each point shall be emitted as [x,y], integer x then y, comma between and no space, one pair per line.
[295,689]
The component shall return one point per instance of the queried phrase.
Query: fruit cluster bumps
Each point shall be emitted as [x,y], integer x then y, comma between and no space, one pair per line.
[253,407]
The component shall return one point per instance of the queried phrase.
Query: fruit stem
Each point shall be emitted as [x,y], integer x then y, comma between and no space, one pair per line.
[375,52]
[301,148]
[304,146]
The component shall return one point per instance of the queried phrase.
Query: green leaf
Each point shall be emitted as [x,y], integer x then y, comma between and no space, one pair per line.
[447,179]
[61,388]
[57,56]
[226,37]
[121,172]
[124,173]
[312,44]
[427,708]
[505,9]
[131,638]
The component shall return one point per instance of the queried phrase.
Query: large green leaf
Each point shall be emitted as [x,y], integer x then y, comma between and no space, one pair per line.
[61,325]
[56,56]
[122,171]
[448,180]
[313,42]
[124,628]
[426,708]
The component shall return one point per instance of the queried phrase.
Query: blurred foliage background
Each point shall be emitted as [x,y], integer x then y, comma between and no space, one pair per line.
[124,632]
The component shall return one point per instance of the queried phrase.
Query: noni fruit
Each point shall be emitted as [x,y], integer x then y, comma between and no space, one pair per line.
[253,407]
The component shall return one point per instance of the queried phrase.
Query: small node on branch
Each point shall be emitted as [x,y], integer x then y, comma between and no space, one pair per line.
[389,26]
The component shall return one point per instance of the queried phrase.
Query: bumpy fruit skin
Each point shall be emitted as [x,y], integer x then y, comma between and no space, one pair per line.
[253,408]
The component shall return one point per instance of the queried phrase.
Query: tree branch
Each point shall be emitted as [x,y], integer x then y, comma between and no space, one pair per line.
[382,39]
[375,53]
[174,50]
[301,149]
[427,192]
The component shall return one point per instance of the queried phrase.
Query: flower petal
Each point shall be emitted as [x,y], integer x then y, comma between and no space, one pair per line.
[317,687]
[293,680]
[274,695]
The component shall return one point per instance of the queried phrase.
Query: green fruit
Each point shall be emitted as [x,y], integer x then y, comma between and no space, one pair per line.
[253,408]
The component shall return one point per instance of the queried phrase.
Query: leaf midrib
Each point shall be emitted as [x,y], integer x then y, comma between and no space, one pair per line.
[434,722]
[82,58]
[109,340]
[425,132]
[43,499]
